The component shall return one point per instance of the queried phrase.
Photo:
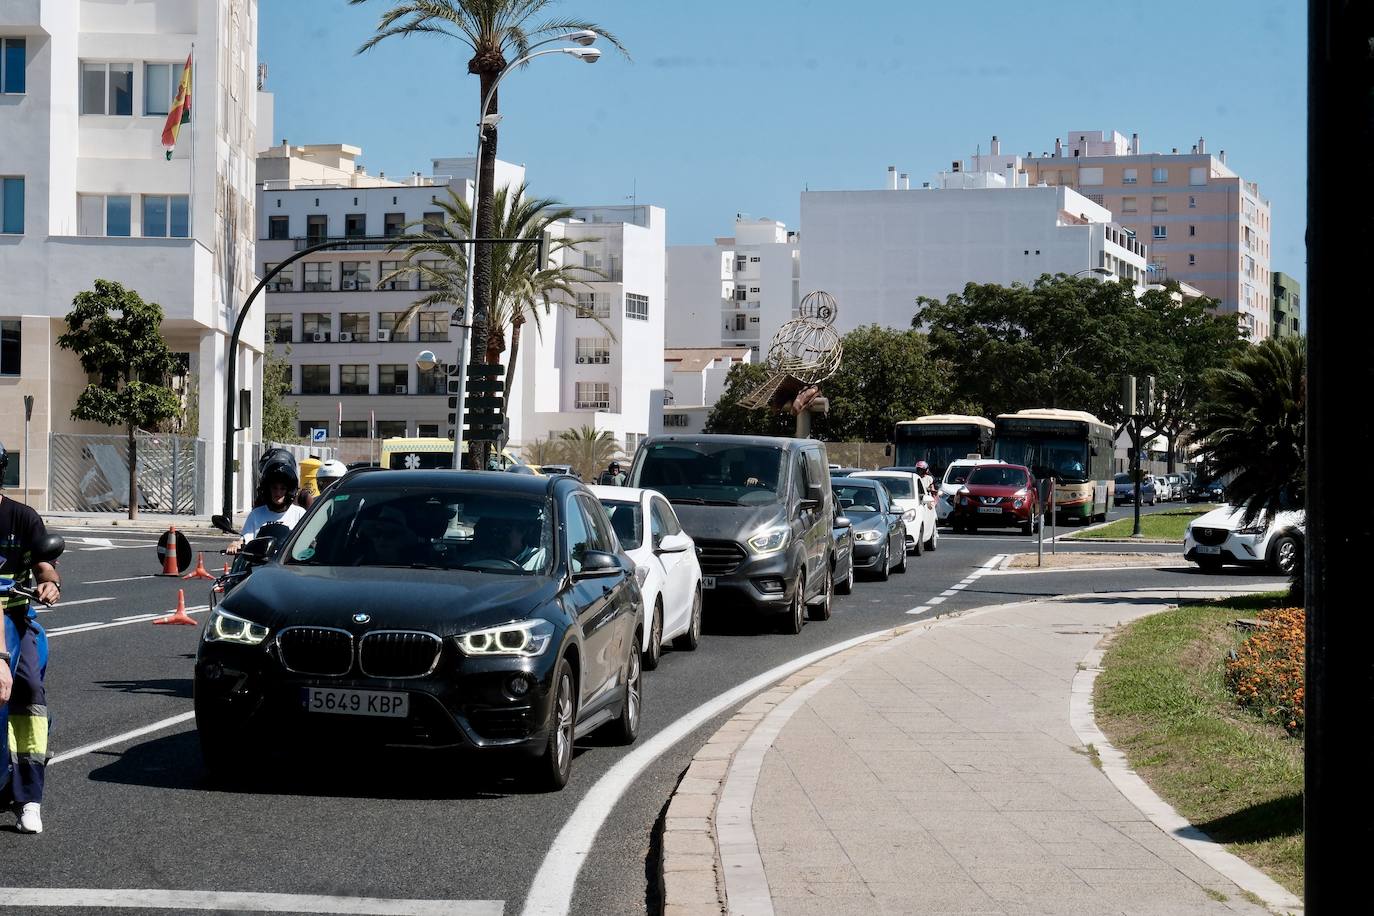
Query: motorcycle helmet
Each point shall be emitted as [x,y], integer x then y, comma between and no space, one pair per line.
[330,471]
[277,464]
[922,466]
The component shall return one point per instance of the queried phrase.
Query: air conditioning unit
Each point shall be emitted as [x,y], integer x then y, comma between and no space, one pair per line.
[402,389]
[345,337]
[581,359]
[383,336]
[321,337]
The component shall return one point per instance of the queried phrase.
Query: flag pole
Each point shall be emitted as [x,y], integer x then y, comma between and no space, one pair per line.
[191,198]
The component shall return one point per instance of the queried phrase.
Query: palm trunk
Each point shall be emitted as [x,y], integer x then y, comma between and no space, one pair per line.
[481,270]
[510,363]
[133,473]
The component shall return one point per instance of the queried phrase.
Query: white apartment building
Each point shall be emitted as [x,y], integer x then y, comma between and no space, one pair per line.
[86,192]
[736,292]
[693,380]
[354,368]
[877,251]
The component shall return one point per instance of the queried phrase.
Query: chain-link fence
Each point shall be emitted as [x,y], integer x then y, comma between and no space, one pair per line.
[91,473]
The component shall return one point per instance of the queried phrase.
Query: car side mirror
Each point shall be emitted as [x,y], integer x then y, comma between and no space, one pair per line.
[49,548]
[673,543]
[259,550]
[843,522]
[598,563]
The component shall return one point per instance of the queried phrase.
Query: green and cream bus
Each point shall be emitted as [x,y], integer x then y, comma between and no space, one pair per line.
[938,439]
[1071,446]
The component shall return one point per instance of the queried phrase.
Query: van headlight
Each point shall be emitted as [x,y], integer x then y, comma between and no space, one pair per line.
[768,540]
[225,627]
[525,638]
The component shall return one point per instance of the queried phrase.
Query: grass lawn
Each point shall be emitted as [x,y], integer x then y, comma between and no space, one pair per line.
[1168,525]
[1162,700]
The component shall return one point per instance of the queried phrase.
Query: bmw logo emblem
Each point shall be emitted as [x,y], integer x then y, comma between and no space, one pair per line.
[361,617]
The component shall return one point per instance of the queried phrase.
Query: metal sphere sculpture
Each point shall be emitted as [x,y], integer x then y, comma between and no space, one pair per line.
[820,305]
[806,349]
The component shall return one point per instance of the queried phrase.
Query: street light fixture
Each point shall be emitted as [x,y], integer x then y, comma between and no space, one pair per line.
[1093,270]
[582,52]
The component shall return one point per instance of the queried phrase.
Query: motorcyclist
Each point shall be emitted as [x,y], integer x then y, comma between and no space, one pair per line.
[277,486]
[927,480]
[329,474]
[612,476]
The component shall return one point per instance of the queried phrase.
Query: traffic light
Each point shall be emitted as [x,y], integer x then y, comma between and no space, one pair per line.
[1146,404]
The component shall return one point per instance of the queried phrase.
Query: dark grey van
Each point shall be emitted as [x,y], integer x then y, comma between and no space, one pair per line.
[759,509]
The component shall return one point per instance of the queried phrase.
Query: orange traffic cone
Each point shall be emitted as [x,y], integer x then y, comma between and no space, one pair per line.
[180,616]
[169,553]
[199,572]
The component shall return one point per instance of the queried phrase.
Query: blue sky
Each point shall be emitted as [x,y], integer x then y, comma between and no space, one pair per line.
[736,107]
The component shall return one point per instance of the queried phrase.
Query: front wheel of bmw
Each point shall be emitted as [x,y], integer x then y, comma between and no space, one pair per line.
[554,765]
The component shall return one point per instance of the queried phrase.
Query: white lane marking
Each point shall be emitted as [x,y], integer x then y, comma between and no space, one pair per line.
[972,577]
[1078,569]
[103,743]
[960,586]
[125,579]
[936,600]
[122,622]
[48,610]
[551,890]
[241,901]
[948,592]
[919,610]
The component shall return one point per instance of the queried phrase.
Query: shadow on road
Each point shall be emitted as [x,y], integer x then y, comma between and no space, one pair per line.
[163,687]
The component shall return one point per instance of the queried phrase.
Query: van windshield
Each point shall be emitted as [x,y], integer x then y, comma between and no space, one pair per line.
[712,474]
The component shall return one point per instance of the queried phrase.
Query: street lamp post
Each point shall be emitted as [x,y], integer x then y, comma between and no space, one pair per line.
[1092,270]
[1139,406]
[582,52]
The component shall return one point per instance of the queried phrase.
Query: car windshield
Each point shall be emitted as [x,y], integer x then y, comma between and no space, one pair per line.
[997,477]
[628,522]
[712,474]
[898,487]
[427,529]
[958,473]
[864,500]
[1123,478]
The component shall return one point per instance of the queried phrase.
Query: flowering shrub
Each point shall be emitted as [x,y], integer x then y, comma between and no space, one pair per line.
[1266,672]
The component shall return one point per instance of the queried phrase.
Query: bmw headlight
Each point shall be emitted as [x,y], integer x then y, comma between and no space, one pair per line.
[526,638]
[866,537]
[769,540]
[225,627]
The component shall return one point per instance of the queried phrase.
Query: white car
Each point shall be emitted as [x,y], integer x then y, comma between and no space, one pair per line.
[917,505]
[956,475]
[1217,538]
[665,564]
[1164,488]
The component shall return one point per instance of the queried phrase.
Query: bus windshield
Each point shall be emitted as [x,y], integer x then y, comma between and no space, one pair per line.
[1066,460]
[938,453]
[712,474]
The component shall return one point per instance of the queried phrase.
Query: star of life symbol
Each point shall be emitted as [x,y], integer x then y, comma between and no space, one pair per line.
[412,461]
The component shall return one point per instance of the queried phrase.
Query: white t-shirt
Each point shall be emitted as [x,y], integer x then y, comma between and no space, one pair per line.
[264,515]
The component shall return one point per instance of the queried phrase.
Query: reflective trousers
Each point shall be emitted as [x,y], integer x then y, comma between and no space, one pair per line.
[24,720]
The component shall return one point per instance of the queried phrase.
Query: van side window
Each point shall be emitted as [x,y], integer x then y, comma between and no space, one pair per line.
[799,480]
[815,465]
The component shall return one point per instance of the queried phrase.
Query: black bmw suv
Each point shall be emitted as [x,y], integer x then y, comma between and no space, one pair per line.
[437,609]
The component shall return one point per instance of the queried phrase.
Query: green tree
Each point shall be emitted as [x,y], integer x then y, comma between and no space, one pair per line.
[543,451]
[1253,426]
[117,337]
[494,31]
[729,416]
[1062,342]
[588,450]
[279,415]
[886,375]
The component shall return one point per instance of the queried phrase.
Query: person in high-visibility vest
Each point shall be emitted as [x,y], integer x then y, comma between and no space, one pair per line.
[23,663]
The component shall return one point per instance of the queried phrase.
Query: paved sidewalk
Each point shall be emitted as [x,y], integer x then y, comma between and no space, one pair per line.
[942,774]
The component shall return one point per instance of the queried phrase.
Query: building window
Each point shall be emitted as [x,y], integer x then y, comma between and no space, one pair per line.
[391,429]
[393,224]
[1192,260]
[354,379]
[433,326]
[592,396]
[107,89]
[386,321]
[740,261]
[1159,175]
[319,277]
[434,223]
[316,327]
[1192,231]
[1090,176]
[1192,202]
[284,282]
[1197,175]
[305,426]
[433,381]
[356,276]
[12,205]
[11,336]
[1160,232]
[355,225]
[593,305]
[431,274]
[12,66]
[1128,176]
[316,228]
[278,227]
[314,380]
[99,214]
[427,430]
[166,216]
[277,327]
[675,419]
[160,85]
[593,349]
[741,293]
[1159,205]
[391,276]
[1128,205]
[353,429]
[637,306]
[357,325]
[393,378]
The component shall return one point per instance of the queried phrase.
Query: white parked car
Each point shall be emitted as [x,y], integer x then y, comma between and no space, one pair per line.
[956,475]
[1217,538]
[665,564]
[917,505]
[1164,487]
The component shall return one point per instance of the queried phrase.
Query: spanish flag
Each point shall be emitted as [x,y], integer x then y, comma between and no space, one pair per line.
[181,110]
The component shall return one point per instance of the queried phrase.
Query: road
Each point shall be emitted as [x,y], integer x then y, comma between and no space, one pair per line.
[138,814]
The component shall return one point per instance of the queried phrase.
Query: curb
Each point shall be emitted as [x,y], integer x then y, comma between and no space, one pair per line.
[1074,539]
[699,822]
[136,526]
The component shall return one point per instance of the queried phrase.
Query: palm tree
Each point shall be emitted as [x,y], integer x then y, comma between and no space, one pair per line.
[520,290]
[588,450]
[543,451]
[495,31]
[1253,424]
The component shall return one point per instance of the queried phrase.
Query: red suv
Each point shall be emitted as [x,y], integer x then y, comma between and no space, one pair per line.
[997,496]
